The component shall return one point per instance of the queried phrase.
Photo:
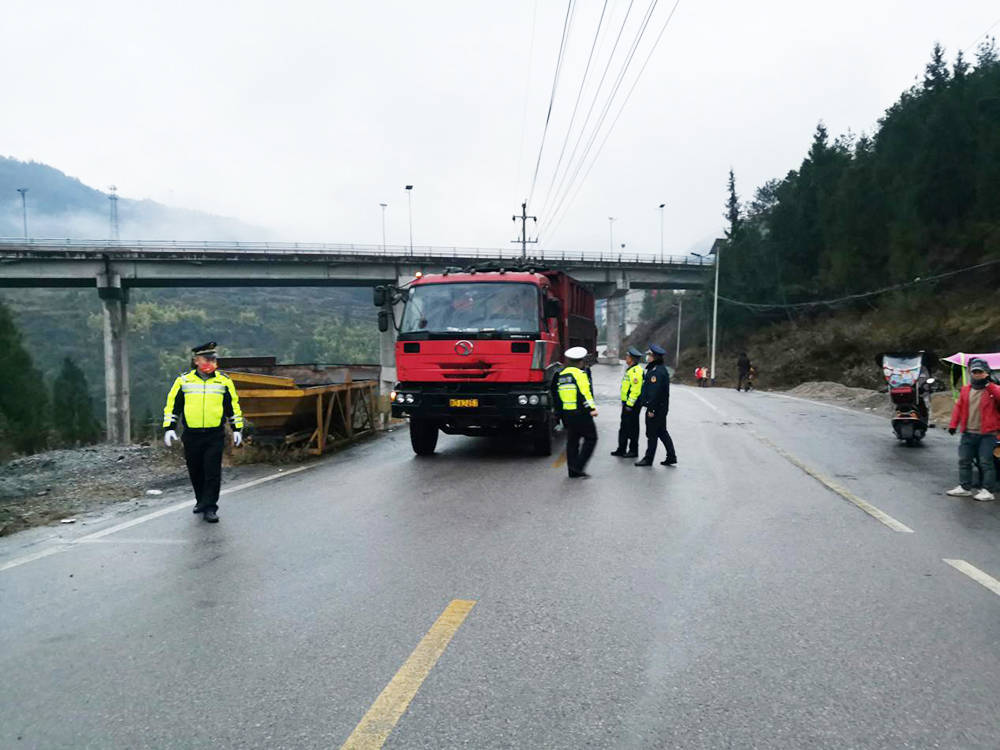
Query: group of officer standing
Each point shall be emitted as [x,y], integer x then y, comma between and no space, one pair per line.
[649,388]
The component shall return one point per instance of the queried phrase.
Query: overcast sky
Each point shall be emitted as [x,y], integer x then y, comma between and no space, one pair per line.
[303,116]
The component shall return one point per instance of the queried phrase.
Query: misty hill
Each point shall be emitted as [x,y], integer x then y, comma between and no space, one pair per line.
[62,206]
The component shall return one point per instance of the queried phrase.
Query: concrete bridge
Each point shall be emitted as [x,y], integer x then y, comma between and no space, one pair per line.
[113,267]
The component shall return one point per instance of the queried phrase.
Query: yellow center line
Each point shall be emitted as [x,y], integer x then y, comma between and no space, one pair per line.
[560,461]
[375,726]
[867,507]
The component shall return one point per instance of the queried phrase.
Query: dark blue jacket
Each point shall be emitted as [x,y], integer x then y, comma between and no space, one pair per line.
[656,387]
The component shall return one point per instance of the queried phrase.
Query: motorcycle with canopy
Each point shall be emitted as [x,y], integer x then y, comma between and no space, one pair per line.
[907,375]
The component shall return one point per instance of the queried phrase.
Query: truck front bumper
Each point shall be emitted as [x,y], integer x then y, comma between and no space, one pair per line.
[464,409]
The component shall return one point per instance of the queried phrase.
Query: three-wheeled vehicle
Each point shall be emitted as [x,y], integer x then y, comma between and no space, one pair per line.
[908,375]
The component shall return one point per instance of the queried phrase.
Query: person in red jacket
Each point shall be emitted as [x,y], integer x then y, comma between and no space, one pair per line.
[977,415]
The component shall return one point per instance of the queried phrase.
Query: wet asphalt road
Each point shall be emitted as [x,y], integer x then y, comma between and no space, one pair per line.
[731,602]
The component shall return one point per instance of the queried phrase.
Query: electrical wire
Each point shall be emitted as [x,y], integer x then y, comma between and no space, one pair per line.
[576,105]
[552,97]
[992,26]
[764,307]
[597,155]
[527,88]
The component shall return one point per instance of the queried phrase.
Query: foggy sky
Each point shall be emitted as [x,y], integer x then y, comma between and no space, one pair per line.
[303,117]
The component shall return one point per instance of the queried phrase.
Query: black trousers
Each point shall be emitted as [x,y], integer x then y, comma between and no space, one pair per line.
[744,378]
[656,429]
[581,437]
[203,455]
[628,431]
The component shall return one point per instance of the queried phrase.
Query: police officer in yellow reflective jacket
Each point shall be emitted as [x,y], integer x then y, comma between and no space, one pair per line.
[628,432]
[203,398]
[577,409]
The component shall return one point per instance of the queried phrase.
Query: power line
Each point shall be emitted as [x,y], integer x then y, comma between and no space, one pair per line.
[614,122]
[762,307]
[608,104]
[992,26]
[576,105]
[552,96]
[527,88]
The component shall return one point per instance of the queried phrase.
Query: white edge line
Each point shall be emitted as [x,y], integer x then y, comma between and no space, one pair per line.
[821,403]
[141,519]
[984,579]
[705,401]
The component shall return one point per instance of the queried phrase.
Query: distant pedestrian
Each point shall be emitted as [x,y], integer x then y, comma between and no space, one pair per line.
[577,409]
[704,377]
[204,399]
[977,415]
[742,369]
[697,375]
[628,431]
[656,399]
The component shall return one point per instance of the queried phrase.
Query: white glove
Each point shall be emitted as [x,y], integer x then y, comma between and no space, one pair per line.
[237,438]
[169,437]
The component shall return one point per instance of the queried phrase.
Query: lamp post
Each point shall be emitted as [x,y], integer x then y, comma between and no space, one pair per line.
[409,201]
[680,314]
[113,217]
[715,304]
[383,205]
[611,234]
[24,209]
[661,207]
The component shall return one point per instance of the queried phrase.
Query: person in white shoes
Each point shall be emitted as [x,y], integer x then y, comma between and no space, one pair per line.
[977,415]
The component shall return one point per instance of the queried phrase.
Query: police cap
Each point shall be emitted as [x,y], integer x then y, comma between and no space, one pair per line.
[576,352]
[659,351]
[205,350]
[633,352]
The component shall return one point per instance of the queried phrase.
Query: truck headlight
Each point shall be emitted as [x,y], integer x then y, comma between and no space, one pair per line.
[409,398]
[522,400]
[533,400]
[400,398]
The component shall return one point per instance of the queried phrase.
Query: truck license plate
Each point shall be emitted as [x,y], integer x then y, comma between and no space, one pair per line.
[464,402]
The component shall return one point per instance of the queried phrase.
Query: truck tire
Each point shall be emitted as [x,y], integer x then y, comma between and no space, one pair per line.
[423,436]
[542,440]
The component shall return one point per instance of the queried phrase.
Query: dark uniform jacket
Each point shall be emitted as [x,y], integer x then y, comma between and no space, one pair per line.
[656,387]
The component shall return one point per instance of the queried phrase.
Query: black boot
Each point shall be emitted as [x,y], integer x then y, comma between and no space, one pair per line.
[211,516]
[669,461]
[646,461]
[618,452]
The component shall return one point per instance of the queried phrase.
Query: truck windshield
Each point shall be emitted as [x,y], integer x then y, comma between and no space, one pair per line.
[503,307]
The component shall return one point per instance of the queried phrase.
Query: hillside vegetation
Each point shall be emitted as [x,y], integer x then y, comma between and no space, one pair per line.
[881,241]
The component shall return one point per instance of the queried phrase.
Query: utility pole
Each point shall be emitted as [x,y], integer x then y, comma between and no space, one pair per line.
[383,205]
[113,218]
[409,202]
[524,229]
[661,207]
[611,234]
[715,306]
[24,209]
[680,314]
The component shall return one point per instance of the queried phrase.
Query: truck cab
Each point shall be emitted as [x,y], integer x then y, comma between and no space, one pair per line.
[477,351]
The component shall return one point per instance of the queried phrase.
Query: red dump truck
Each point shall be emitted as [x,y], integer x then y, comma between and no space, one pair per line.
[477,350]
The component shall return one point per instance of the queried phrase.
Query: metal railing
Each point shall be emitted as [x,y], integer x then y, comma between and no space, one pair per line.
[325,249]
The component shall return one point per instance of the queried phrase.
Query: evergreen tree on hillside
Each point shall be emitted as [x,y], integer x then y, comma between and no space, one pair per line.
[23,399]
[72,412]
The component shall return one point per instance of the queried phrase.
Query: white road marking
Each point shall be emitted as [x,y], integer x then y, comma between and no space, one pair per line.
[867,507]
[62,547]
[705,401]
[820,403]
[131,541]
[976,575]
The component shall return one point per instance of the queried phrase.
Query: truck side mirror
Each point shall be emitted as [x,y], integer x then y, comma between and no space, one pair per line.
[383,320]
[552,308]
[378,296]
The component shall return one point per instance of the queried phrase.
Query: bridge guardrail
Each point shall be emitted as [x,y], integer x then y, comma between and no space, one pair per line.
[317,248]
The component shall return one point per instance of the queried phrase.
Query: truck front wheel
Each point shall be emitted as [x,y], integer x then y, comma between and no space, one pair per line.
[542,439]
[423,436]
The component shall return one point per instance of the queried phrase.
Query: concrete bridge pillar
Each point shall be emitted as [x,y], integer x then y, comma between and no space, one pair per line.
[114,298]
[615,307]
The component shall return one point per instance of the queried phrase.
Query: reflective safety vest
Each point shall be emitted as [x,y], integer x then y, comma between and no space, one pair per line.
[203,402]
[573,385]
[632,385]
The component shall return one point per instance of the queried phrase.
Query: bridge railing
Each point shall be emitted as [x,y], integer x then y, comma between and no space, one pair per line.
[399,252]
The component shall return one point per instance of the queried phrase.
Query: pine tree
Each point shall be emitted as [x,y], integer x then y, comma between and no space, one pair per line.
[23,398]
[732,208]
[72,412]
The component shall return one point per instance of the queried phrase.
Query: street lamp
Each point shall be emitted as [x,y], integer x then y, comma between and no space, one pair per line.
[717,250]
[24,210]
[383,205]
[113,217]
[409,201]
[661,207]
[611,234]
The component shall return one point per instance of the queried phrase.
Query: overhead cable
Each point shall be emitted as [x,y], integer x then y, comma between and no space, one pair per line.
[552,97]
